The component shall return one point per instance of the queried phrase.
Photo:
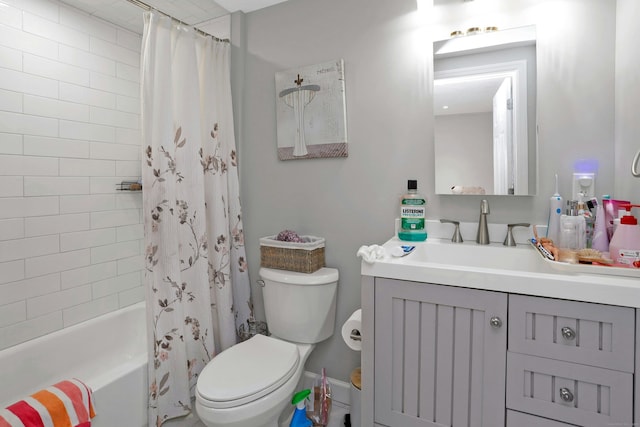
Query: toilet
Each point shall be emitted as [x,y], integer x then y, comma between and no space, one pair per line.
[251,383]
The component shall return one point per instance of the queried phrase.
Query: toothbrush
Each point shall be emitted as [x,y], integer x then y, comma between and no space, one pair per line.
[542,250]
[400,251]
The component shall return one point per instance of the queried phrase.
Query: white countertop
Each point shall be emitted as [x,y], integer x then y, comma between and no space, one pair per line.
[523,272]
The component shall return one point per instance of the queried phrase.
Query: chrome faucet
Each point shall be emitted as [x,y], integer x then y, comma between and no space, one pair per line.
[482,238]
[509,240]
[457,237]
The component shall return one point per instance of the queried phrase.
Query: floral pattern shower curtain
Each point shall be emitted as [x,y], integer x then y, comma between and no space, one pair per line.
[196,277]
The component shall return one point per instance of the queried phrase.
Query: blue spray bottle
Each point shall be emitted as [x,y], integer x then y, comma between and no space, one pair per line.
[300,415]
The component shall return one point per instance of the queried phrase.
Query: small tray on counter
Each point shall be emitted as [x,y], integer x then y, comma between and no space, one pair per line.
[610,270]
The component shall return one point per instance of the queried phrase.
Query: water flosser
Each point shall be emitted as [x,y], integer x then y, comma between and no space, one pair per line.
[555,211]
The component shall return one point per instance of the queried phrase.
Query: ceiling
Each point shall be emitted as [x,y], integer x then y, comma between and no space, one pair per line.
[193,12]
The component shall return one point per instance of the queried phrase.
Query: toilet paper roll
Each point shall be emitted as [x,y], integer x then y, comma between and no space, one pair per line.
[351,331]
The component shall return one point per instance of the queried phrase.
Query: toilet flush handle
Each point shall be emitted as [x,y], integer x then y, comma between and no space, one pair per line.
[261,283]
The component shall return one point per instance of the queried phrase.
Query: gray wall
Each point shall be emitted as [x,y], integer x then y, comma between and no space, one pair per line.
[464,151]
[386,47]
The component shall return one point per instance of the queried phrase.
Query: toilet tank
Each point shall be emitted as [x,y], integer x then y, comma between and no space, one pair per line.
[300,307]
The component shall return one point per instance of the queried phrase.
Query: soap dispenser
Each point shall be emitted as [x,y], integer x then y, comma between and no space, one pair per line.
[624,248]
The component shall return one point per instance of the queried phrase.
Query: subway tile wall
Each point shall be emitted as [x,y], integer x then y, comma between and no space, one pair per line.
[70,244]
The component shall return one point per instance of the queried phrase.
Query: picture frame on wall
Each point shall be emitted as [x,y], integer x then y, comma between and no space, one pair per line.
[311,112]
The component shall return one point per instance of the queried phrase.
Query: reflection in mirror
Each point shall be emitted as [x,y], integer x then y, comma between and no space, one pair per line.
[484,106]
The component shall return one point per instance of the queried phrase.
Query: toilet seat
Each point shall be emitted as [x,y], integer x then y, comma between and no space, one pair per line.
[247,372]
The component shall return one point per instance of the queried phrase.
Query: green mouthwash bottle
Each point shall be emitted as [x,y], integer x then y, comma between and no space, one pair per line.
[412,213]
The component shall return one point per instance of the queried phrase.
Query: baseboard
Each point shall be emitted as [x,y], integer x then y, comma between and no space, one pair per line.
[339,389]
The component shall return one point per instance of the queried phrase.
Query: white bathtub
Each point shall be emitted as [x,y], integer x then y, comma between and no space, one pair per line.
[108,353]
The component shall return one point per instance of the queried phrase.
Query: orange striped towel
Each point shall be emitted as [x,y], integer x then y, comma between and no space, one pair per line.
[65,404]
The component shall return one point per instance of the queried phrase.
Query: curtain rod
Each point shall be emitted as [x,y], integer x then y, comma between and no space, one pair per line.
[148,8]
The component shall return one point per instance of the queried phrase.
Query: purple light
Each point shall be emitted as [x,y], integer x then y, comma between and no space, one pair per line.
[585,166]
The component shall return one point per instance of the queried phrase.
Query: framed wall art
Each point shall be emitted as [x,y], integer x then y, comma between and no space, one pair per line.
[311,112]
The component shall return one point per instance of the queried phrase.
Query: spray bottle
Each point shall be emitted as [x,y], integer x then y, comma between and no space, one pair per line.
[300,415]
[555,212]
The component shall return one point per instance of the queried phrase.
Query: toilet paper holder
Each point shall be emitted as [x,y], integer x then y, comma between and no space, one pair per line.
[355,335]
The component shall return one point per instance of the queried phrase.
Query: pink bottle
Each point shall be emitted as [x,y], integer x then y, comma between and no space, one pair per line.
[624,248]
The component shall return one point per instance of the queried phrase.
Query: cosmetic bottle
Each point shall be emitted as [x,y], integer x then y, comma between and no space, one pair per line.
[572,228]
[600,239]
[588,222]
[624,248]
[611,208]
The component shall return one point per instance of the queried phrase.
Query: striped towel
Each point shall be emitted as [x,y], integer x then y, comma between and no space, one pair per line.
[65,404]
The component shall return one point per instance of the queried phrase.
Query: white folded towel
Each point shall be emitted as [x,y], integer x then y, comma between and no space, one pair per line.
[371,254]
[458,189]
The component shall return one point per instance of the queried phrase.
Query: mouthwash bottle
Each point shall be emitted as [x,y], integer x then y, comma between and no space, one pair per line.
[412,213]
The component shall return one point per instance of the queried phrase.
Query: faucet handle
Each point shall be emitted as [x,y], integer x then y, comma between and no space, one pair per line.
[457,236]
[509,240]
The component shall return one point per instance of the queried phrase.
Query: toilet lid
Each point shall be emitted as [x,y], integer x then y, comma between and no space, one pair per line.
[247,371]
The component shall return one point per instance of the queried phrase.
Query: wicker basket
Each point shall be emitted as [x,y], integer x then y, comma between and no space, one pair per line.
[304,257]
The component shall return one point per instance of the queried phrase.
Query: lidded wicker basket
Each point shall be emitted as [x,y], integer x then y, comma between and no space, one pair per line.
[304,257]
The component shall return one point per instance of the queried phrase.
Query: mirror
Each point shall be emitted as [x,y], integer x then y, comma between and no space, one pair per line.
[485,112]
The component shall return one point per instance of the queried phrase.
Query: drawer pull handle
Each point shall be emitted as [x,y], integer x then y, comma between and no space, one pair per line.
[566,395]
[495,322]
[568,333]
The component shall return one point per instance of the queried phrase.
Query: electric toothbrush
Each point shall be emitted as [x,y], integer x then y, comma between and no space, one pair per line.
[555,212]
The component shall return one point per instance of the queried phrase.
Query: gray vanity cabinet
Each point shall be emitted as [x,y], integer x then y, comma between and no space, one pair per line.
[440,355]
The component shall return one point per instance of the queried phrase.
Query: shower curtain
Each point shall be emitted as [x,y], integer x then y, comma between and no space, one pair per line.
[196,278]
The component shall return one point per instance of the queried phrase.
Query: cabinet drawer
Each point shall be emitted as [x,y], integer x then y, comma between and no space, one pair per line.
[568,392]
[518,419]
[587,333]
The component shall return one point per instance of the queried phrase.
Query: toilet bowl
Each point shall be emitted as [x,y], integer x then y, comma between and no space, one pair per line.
[251,383]
[256,395]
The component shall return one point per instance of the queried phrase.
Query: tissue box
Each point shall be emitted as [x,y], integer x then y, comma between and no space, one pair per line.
[304,257]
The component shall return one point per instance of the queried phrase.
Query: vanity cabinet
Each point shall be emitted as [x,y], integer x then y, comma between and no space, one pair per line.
[440,355]
[451,356]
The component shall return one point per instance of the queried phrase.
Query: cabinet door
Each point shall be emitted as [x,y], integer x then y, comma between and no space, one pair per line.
[439,361]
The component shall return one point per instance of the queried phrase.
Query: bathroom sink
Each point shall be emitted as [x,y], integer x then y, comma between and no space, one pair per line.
[515,269]
[471,255]
[521,259]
